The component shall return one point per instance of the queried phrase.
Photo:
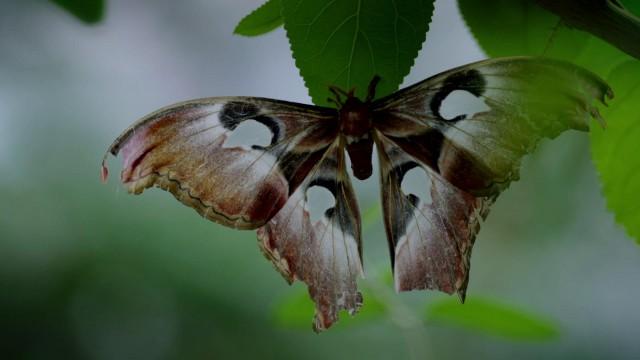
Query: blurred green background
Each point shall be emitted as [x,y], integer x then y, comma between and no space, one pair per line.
[87,271]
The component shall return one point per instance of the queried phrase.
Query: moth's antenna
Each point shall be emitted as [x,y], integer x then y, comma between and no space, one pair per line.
[371,93]
[337,91]
[333,100]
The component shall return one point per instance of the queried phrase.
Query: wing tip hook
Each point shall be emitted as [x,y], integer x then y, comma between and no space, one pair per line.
[609,93]
[596,115]
[104,173]
[462,296]
[104,169]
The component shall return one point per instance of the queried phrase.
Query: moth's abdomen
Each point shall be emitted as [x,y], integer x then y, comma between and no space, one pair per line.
[360,152]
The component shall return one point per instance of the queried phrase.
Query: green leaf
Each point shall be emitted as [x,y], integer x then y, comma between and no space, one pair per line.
[523,28]
[615,149]
[296,311]
[89,11]
[608,20]
[262,20]
[345,43]
[519,27]
[491,318]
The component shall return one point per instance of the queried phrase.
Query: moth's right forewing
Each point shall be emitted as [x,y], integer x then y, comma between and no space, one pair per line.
[524,100]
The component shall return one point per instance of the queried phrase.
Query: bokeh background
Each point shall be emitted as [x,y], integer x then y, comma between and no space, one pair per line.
[87,271]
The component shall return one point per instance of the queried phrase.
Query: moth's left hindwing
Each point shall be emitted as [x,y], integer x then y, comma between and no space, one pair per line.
[469,158]
[326,254]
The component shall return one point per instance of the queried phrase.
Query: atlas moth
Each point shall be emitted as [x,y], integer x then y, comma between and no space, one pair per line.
[469,160]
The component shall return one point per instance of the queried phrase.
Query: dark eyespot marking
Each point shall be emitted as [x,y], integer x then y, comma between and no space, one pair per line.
[339,207]
[329,184]
[235,112]
[425,147]
[403,214]
[470,80]
[402,169]
[296,166]
[408,168]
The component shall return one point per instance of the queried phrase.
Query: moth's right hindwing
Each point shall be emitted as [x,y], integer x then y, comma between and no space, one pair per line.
[430,238]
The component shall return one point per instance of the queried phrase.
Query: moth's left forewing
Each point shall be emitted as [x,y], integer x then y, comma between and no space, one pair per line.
[470,158]
[325,254]
[185,150]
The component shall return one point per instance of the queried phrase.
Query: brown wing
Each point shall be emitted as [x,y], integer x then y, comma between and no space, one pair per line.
[182,149]
[470,158]
[324,254]
[430,239]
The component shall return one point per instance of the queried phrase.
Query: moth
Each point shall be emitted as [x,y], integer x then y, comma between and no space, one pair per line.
[469,159]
